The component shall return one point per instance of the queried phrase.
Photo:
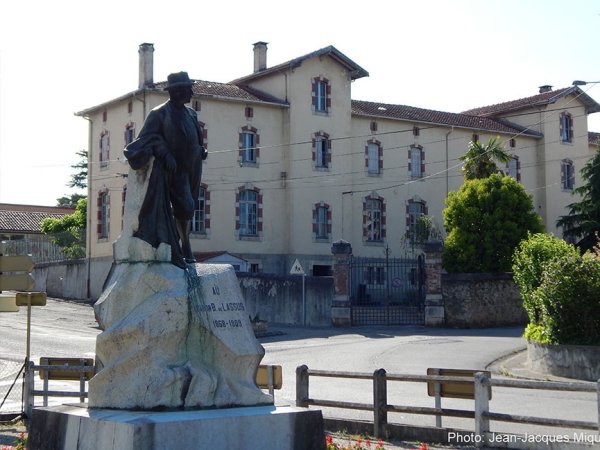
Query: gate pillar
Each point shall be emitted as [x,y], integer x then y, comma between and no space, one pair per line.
[434,301]
[341,314]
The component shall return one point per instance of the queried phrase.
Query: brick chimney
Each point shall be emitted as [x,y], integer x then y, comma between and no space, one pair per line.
[260,56]
[146,52]
[545,88]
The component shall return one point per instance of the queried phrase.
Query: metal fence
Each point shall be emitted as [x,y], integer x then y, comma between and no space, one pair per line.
[40,250]
[387,291]
[385,281]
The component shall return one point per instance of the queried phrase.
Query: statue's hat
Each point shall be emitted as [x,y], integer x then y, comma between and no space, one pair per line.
[178,79]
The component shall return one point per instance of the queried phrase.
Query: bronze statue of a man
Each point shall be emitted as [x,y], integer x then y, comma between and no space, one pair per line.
[172,135]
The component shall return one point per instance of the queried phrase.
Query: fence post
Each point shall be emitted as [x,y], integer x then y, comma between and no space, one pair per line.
[302,386]
[380,403]
[29,387]
[438,399]
[482,407]
[434,301]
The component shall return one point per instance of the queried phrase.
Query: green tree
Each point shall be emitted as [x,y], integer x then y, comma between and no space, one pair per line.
[479,158]
[69,202]
[68,232]
[79,178]
[583,221]
[485,221]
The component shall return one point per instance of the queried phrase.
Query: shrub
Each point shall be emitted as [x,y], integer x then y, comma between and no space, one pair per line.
[529,262]
[568,301]
[486,219]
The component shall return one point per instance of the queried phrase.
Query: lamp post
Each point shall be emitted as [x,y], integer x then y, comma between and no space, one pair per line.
[583,83]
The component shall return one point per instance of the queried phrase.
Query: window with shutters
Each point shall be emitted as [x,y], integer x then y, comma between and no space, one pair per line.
[321,222]
[321,95]
[373,219]
[248,145]
[416,161]
[321,151]
[129,133]
[248,213]
[103,217]
[104,148]
[374,158]
[566,128]
[201,220]
[513,168]
[567,174]
[414,210]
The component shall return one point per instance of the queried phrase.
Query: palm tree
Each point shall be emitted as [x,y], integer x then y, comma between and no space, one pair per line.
[479,159]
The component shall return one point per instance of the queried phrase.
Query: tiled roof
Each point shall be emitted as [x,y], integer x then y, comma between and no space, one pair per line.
[410,113]
[355,70]
[231,91]
[27,218]
[593,138]
[544,98]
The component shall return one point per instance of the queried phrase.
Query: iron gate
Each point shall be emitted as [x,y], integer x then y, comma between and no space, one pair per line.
[387,291]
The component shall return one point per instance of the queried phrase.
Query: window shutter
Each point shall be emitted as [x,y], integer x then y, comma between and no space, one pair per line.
[422,162]
[409,161]
[518,169]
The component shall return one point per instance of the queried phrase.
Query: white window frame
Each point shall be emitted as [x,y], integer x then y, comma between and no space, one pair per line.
[416,158]
[374,212]
[373,158]
[567,173]
[198,220]
[248,213]
[416,209]
[322,152]
[322,222]
[321,96]
[248,146]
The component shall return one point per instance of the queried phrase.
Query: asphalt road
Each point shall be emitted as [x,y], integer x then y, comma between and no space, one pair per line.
[68,329]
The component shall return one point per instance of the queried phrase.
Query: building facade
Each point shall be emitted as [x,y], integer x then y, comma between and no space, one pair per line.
[295,163]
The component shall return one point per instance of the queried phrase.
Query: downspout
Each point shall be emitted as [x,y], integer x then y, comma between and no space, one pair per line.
[447,162]
[88,250]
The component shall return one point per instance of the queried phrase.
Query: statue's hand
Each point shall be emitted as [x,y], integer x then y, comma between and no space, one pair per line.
[170,163]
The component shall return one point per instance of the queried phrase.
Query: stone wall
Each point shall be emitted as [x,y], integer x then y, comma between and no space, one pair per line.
[278,298]
[275,298]
[477,300]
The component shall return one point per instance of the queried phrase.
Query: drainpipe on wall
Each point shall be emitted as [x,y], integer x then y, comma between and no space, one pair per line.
[88,233]
[447,162]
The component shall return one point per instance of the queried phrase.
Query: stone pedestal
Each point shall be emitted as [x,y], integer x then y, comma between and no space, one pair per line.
[174,339]
[75,427]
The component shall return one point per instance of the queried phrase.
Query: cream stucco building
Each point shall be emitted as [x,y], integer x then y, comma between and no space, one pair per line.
[295,163]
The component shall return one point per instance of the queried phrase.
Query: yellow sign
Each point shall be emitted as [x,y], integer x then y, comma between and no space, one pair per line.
[30,299]
[262,377]
[16,282]
[8,303]
[86,364]
[455,390]
[21,263]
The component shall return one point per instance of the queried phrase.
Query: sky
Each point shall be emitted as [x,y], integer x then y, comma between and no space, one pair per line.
[63,56]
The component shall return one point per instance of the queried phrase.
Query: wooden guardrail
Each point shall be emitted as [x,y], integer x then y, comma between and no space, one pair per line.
[479,384]
[83,369]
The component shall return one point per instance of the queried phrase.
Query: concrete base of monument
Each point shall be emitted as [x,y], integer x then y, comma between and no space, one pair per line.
[75,427]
